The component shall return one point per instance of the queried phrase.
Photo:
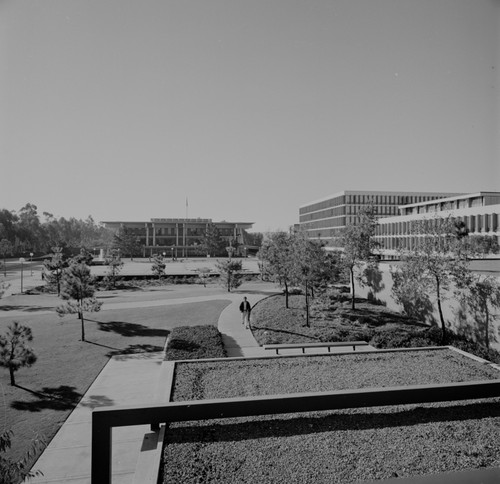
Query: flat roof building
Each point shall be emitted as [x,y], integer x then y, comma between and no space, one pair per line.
[178,237]
[325,218]
[479,211]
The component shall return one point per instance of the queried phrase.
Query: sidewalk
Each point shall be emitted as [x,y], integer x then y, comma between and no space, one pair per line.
[129,380]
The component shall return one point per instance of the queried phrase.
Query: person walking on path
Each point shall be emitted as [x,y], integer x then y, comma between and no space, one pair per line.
[245,309]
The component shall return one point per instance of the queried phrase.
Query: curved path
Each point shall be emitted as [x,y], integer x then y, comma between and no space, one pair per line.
[130,380]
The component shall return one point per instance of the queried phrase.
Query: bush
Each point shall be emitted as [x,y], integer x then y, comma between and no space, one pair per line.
[195,342]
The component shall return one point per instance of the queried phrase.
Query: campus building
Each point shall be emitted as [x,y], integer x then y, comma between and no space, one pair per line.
[324,219]
[179,237]
[479,211]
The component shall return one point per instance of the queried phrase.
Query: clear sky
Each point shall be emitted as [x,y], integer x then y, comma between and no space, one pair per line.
[123,109]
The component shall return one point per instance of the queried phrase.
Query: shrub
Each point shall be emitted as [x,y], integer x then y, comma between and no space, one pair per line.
[195,342]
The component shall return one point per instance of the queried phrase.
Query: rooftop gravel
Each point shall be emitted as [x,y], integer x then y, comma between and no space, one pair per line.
[343,446]
[235,378]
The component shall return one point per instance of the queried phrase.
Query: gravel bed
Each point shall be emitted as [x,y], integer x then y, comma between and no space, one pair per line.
[343,446]
[235,378]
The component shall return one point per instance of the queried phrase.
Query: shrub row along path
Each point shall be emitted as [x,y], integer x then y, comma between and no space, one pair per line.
[133,379]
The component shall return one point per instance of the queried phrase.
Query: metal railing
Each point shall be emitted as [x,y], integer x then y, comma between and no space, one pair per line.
[104,419]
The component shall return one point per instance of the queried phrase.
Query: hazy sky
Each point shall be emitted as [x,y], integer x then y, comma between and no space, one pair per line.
[122,109]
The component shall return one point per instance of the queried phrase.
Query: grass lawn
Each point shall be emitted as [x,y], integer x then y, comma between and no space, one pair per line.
[47,392]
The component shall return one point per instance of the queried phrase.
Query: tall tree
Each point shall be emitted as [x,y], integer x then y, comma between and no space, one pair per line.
[126,242]
[14,350]
[358,245]
[276,255]
[230,273]
[115,265]
[5,248]
[54,267]
[482,295]
[29,226]
[212,243]
[308,258]
[436,260]
[78,291]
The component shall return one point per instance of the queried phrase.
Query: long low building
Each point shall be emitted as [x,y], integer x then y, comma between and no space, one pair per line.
[178,237]
[479,211]
[324,219]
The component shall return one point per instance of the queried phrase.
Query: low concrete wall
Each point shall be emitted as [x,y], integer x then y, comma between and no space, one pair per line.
[458,316]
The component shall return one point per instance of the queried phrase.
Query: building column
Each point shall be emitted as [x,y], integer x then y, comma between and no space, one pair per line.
[184,240]
[154,235]
[176,239]
[147,233]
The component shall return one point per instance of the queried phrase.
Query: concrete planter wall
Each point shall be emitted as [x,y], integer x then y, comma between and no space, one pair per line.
[457,316]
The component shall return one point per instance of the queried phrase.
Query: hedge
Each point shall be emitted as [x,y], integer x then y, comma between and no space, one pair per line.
[195,342]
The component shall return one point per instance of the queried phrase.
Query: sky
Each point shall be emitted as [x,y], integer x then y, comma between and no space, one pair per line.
[243,110]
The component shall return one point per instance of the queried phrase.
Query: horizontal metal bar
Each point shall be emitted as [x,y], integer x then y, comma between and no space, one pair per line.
[296,402]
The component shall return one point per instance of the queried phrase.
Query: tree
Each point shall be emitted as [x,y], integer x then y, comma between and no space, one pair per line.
[5,248]
[115,265]
[14,351]
[437,259]
[78,290]
[53,268]
[359,245]
[277,260]
[126,242]
[212,243]
[29,226]
[204,275]
[230,273]
[17,470]
[158,266]
[482,295]
[308,258]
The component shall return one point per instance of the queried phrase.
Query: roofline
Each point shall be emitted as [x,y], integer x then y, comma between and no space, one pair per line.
[456,197]
[377,192]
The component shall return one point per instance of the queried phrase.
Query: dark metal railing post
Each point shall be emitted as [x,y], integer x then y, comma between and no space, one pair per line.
[101,449]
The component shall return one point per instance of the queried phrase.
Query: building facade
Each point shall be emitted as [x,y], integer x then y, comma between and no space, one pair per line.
[178,237]
[479,211]
[324,219]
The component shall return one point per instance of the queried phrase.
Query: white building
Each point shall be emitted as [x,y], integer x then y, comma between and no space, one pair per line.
[479,211]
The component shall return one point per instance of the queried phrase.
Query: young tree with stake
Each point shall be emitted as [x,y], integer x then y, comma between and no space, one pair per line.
[78,290]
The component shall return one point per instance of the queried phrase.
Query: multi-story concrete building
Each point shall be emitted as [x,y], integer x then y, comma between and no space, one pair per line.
[178,237]
[324,219]
[479,211]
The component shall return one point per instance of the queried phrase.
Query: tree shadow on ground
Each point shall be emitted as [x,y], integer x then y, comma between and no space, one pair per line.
[101,345]
[135,349]
[282,331]
[131,329]
[63,397]
[262,427]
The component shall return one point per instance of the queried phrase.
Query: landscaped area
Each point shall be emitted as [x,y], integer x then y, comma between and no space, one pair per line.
[342,446]
[333,319]
[130,321]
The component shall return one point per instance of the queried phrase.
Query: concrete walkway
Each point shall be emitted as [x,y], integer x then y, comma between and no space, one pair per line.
[129,380]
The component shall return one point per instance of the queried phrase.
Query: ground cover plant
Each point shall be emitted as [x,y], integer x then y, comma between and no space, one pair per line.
[45,394]
[194,342]
[333,319]
[343,446]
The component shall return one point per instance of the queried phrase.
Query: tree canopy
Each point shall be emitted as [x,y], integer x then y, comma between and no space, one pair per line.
[26,231]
